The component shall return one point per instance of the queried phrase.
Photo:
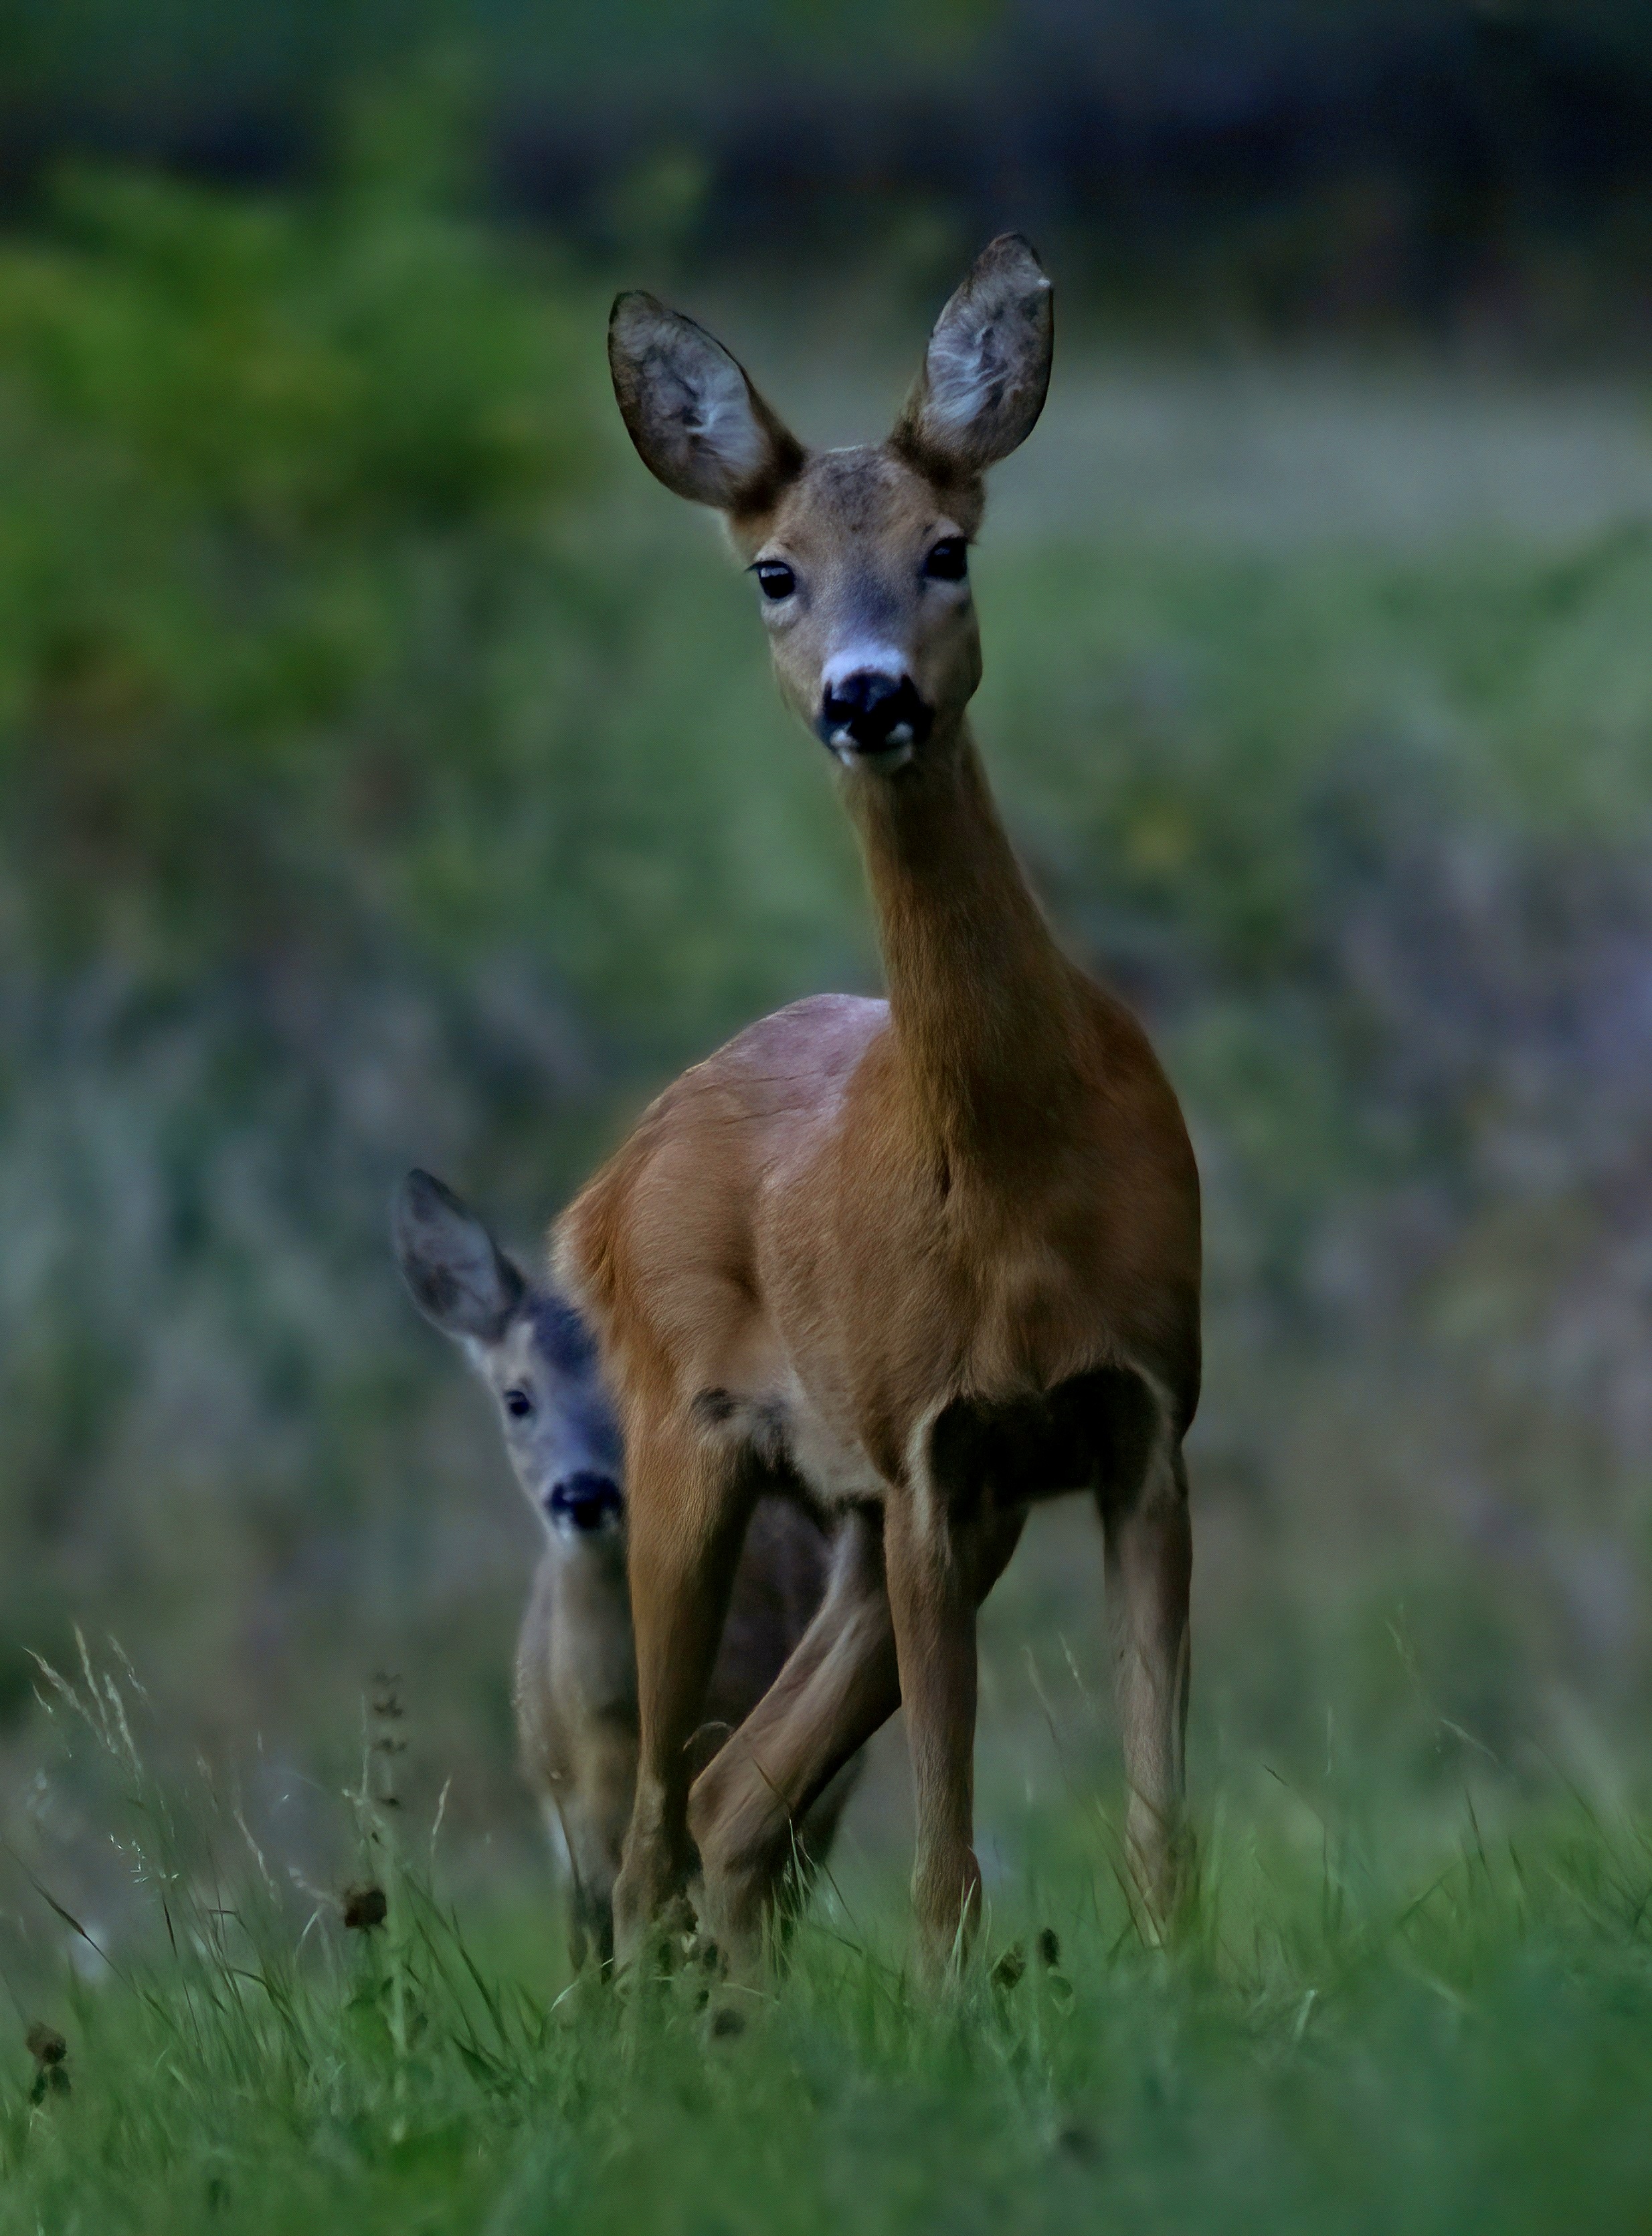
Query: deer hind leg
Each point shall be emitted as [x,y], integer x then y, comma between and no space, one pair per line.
[839,1684]
[688,1506]
[1150,1566]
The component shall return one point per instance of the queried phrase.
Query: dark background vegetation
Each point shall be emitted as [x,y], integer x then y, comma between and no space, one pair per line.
[1289,159]
[389,773]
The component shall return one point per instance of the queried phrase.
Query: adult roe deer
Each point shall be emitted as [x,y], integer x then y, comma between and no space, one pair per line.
[576,1671]
[931,1259]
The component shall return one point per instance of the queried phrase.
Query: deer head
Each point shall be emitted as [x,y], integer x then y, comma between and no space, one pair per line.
[531,1349]
[860,557]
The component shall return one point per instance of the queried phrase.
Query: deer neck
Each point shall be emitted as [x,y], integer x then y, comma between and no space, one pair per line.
[983,1002]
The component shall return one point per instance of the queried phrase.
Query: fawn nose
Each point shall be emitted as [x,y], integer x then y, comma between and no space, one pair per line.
[584,1500]
[870,711]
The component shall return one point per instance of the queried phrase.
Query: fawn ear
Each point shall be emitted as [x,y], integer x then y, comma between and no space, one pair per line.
[699,425]
[987,367]
[454,1271]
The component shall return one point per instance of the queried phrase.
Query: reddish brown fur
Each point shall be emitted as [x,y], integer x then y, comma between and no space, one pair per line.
[921,1255]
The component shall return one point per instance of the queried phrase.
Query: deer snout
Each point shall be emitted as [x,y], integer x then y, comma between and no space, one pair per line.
[870,715]
[584,1501]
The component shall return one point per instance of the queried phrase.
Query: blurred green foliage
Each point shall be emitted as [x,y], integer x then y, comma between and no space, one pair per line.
[105,54]
[242,443]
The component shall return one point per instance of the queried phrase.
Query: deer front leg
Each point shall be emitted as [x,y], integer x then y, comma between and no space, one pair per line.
[933,1597]
[1150,1568]
[688,1512]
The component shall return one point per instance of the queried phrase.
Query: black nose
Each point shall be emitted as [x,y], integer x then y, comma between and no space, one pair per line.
[868,713]
[584,1501]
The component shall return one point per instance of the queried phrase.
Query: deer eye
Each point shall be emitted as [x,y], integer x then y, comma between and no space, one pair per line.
[775,579]
[518,1405]
[948,561]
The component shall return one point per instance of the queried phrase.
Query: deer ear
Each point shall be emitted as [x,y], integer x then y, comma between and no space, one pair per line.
[454,1271]
[987,367]
[699,425]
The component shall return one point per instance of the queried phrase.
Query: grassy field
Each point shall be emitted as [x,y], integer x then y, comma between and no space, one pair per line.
[1362,2027]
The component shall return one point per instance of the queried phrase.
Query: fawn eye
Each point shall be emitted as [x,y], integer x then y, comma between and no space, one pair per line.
[518,1405]
[775,579]
[948,561]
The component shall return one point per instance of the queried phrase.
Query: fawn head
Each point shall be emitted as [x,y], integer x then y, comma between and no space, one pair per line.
[860,557]
[532,1350]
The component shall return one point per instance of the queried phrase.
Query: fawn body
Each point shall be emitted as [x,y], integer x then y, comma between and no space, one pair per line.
[576,1671]
[933,1259]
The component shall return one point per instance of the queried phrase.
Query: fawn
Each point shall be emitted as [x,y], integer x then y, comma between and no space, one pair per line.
[576,1671]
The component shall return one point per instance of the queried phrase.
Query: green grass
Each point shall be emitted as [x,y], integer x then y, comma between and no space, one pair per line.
[1337,2040]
